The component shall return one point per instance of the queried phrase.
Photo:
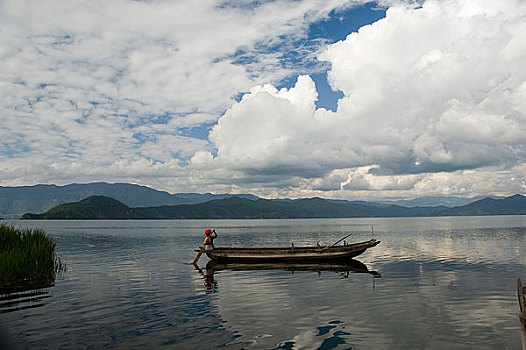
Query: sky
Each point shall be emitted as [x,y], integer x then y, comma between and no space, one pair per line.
[281,99]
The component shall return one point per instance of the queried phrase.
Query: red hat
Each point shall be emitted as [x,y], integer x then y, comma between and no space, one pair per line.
[207,232]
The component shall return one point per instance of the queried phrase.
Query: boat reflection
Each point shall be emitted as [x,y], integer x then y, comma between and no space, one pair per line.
[345,268]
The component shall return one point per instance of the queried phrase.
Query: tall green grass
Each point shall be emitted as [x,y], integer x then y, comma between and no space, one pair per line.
[27,259]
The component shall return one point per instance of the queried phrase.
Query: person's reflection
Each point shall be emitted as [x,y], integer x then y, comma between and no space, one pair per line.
[209,281]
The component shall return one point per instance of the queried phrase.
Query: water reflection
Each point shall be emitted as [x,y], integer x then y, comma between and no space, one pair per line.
[31,292]
[208,277]
[418,303]
[344,268]
[289,305]
[22,300]
[447,283]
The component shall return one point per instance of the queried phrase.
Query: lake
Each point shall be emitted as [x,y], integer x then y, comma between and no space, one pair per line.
[446,283]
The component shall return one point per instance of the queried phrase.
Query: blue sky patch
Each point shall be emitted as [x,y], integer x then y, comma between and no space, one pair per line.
[342,23]
[333,29]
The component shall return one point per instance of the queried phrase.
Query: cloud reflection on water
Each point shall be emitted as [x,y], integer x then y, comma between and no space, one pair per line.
[450,288]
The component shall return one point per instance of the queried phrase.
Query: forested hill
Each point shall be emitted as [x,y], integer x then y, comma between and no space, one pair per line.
[94,207]
[101,207]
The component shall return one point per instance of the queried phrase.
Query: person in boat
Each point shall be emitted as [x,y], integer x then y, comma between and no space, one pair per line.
[210,235]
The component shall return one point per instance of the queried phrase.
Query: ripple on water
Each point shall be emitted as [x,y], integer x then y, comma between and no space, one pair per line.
[23,300]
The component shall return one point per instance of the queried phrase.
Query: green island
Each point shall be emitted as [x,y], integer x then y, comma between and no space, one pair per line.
[27,259]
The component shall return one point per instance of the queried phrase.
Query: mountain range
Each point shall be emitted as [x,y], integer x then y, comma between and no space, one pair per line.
[15,201]
[101,207]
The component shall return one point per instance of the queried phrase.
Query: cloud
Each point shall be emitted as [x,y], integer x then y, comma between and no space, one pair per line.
[433,97]
[437,84]
[95,83]
[431,89]
[175,57]
[255,134]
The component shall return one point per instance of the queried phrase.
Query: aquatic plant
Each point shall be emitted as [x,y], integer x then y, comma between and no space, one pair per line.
[27,259]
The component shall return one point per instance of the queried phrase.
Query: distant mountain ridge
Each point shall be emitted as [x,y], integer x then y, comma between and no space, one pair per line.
[431,201]
[15,201]
[514,205]
[100,207]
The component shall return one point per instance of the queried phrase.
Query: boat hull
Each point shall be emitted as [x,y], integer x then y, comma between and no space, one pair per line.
[292,254]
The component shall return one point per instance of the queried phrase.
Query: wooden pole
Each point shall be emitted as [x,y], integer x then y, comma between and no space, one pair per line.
[523,337]
[522,316]
[338,241]
[198,255]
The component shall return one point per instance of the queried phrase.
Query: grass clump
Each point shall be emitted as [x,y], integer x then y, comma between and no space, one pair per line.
[27,259]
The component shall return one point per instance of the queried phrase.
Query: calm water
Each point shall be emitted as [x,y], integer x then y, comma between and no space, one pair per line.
[446,283]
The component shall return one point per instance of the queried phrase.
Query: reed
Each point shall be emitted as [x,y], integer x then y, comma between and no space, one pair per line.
[27,259]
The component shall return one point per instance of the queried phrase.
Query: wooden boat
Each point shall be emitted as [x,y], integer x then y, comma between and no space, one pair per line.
[290,254]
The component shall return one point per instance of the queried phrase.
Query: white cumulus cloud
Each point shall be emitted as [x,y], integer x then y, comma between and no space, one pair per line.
[431,89]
